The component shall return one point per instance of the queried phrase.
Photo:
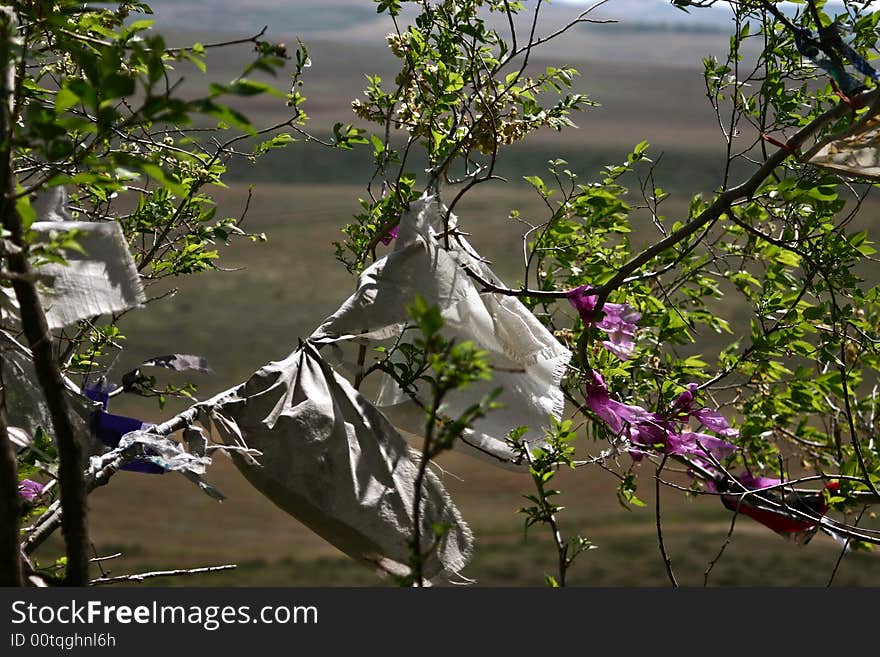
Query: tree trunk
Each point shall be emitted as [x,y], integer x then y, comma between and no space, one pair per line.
[33,323]
[10,500]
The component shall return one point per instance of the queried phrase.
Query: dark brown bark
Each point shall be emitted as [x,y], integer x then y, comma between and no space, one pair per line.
[10,502]
[33,323]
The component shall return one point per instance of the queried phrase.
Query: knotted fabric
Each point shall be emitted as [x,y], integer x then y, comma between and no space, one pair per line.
[527,362]
[331,459]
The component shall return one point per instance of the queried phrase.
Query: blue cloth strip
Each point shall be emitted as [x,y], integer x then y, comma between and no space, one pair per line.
[803,41]
[859,62]
[110,428]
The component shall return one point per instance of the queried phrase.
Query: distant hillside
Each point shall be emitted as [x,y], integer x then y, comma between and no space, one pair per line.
[340,16]
[650,33]
[284,18]
[648,81]
[310,16]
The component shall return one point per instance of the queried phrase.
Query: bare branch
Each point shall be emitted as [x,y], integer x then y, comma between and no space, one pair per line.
[140,577]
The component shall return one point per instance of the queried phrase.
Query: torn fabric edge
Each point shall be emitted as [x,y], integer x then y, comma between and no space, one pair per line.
[196,440]
[165,453]
[851,152]
[527,361]
[176,362]
[110,429]
[331,460]
[169,456]
[19,438]
[103,281]
[25,404]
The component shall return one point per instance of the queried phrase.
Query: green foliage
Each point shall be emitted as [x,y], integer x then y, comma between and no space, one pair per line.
[558,451]
[98,110]
[442,366]
[797,374]
[96,106]
[461,95]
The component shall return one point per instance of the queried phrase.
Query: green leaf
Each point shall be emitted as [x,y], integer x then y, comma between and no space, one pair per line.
[141,25]
[23,207]
[815,312]
[195,60]
[246,87]
[117,86]
[152,170]
[225,114]
[65,99]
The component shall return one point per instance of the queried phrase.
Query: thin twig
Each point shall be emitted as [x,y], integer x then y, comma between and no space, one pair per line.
[561,546]
[667,561]
[223,44]
[724,545]
[140,577]
[843,550]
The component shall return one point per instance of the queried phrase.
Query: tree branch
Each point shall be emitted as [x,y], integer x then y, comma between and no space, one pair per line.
[667,560]
[140,577]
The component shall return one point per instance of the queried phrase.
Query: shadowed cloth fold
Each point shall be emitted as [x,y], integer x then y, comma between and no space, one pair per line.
[334,462]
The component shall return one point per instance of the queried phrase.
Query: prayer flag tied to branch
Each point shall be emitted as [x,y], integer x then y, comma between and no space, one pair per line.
[852,152]
[97,275]
[334,462]
[313,445]
[26,407]
[527,361]
[101,279]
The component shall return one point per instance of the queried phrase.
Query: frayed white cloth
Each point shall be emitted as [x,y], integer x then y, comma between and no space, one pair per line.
[25,404]
[330,459]
[527,361]
[101,281]
[851,152]
[51,204]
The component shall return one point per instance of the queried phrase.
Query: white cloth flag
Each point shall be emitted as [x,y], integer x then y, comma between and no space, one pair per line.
[851,152]
[101,281]
[26,405]
[527,361]
[331,460]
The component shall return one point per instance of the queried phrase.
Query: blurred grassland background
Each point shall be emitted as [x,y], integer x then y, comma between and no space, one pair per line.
[649,83]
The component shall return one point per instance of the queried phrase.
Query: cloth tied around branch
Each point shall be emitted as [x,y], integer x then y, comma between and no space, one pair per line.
[102,279]
[854,151]
[527,361]
[110,428]
[333,461]
[27,411]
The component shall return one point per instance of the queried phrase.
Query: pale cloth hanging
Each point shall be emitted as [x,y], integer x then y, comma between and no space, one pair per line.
[331,460]
[104,280]
[527,361]
[101,281]
[851,152]
[26,406]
